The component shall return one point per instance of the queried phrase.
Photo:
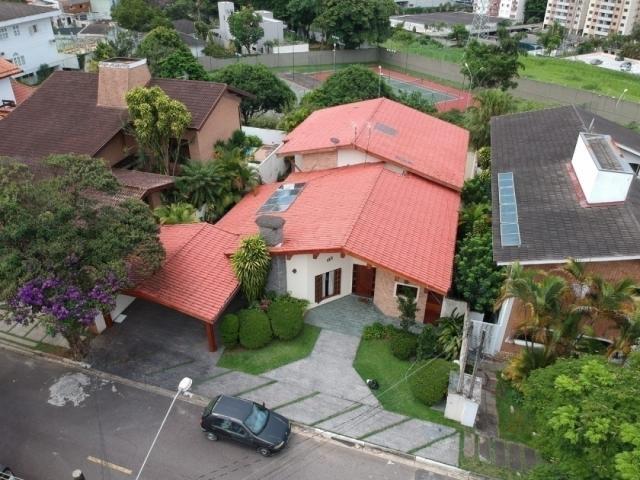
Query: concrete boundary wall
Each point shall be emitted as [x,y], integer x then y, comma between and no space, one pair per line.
[612,108]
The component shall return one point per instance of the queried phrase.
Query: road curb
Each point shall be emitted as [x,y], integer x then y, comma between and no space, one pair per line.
[302,429]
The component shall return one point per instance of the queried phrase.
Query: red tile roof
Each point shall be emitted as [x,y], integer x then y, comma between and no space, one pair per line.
[415,141]
[22,91]
[399,222]
[7,68]
[196,278]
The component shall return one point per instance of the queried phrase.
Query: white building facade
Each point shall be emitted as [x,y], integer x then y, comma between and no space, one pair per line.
[512,10]
[27,37]
[598,18]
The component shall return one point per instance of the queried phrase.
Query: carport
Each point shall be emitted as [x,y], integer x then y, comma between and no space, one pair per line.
[196,278]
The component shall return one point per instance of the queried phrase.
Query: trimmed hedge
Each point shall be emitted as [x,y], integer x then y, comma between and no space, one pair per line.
[229,327]
[403,345]
[255,330]
[430,382]
[427,343]
[287,317]
[379,331]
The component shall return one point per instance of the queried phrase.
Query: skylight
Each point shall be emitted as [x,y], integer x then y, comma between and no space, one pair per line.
[509,227]
[282,198]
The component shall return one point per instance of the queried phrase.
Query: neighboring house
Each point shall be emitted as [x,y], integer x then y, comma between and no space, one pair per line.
[380,130]
[26,36]
[371,227]
[273,28]
[100,30]
[75,6]
[85,113]
[102,8]
[565,185]
[12,92]
[441,23]
[187,32]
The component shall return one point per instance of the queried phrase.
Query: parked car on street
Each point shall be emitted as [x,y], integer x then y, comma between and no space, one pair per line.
[596,61]
[625,66]
[5,473]
[245,422]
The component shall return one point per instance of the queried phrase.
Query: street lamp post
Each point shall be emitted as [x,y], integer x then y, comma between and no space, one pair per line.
[466,65]
[621,95]
[334,58]
[390,50]
[379,80]
[293,62]
[238,55]
[183,387]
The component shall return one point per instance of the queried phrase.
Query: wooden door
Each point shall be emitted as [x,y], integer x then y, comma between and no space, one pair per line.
[433,307]
[364,280]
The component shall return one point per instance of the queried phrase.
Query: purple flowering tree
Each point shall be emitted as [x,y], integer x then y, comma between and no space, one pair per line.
[65,307]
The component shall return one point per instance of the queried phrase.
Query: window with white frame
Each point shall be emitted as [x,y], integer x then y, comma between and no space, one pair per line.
[4,33]
[405,290]
[16,30]
[18,59]
[328,284]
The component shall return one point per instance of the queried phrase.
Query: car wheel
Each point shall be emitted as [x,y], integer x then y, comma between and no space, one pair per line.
[212,436]
[265,452]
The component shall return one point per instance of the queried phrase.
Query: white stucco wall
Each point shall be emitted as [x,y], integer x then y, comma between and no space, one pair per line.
[6,92]
[37,47]
[353,157]
[302,283]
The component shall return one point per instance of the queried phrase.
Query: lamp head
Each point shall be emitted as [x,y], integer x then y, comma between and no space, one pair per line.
[184,385]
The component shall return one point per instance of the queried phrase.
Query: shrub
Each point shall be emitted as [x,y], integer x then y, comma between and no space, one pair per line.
[378,331]
[408,308]
[403,345]
[430,382]
[287,317]
[229,327]
[484,158]
[427,346]
[255,331]
[477,189]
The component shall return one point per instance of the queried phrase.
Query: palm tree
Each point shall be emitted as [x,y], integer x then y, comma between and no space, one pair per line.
[199,183]
[489,103]
[176,213]
[475,218]
[251,263]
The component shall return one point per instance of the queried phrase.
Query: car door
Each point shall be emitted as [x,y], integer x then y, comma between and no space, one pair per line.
[220,426]
[237,432]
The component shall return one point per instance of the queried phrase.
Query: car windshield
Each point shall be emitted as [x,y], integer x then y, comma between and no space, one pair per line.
[257,419]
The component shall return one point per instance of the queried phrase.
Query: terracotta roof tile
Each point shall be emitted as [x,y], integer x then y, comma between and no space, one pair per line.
[22,91]
[196,278]
[400,222]
[144,181]
[391,131]
[7,68]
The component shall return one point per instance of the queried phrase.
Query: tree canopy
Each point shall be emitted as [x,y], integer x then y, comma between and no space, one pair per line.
[302,13]
[63,257]
[493,66]
[244,25]
[587,413]
[270,92]
[138,15]
[159,44]
[460,34]
[180,64]
[488,104]
[552,37]
[354,22]
[157,120]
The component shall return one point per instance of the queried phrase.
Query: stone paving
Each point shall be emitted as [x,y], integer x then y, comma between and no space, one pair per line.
[33,335]
[508,455]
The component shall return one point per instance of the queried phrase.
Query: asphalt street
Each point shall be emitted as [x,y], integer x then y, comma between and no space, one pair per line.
[54,419]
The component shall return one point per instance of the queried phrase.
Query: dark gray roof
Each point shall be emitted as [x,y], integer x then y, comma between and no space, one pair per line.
[11,10]
[97,28]
[191,40]
[450,18]
[554,225]
[184,26]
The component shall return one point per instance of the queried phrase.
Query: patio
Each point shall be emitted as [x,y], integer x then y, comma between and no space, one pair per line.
[347,315]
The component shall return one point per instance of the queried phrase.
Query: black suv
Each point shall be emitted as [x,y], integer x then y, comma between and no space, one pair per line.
[245,422]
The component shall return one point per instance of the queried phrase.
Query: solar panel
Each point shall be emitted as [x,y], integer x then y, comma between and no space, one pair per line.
[282,198]
[509,227]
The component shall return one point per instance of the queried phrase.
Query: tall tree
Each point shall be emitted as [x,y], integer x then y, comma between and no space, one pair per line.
[355,22]
[157,121]
[534,11]
[460,34]
[159,44]
[552,37]
[244,25]
[63,257]
[489,103]
[269,92]
[302,13]
[138,15]
[493,66]
[180,64]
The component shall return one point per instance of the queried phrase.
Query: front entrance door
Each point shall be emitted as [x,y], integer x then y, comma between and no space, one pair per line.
[364,280]
[433,307]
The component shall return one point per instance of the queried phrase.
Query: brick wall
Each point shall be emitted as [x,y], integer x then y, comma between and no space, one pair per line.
[611,271]
[384,294]
[318,161]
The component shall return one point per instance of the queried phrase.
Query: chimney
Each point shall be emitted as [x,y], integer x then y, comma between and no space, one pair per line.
[602,170]
[271,229]
[117,76]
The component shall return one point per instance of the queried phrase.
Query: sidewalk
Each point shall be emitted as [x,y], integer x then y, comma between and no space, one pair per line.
[31,336]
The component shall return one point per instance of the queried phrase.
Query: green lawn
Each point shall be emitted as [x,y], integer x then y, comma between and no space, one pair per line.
[574,74]
[374,360]
[515,426]
[274,355]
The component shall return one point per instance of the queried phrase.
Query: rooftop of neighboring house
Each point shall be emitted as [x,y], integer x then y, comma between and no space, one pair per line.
[390,131]
[399,222]
[13,10]
[574,190]
[187,31]
[8,69]
[101,27]
[63,115]
[450,18]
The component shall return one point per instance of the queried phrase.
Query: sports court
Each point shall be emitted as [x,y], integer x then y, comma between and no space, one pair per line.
[444,97]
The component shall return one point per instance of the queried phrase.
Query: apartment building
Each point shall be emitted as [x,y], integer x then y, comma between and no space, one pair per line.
[512,10]
[594,17]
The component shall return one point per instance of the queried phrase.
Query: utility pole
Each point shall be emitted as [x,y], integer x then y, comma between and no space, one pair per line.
[464,349]
[475,364]
[379,80]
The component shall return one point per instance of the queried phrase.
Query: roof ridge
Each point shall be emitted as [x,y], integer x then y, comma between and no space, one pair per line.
[364,203]
[202,225]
